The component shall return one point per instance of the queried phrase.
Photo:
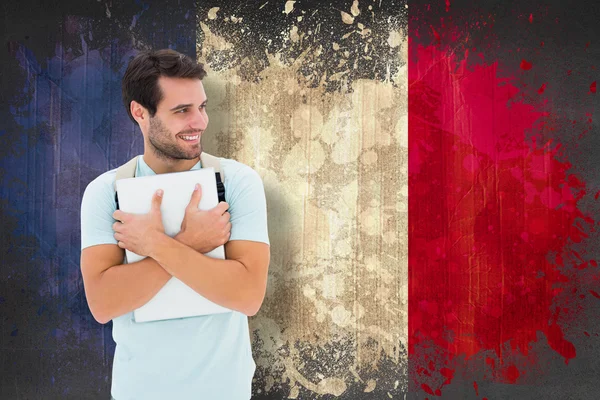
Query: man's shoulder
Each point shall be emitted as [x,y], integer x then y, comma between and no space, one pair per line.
[98,200]
[103,182]
[235,170]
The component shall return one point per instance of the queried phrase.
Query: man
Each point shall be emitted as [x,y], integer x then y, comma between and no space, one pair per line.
[207,357]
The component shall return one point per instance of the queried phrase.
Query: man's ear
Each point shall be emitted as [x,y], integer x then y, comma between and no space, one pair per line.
[139,112]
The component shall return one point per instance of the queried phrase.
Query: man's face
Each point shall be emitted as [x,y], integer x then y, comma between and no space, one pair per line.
[175,131]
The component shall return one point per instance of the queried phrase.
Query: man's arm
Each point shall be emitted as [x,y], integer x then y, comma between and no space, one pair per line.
[238,283]
[112,288]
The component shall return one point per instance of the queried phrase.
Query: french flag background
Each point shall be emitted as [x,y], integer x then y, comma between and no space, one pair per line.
[431,169]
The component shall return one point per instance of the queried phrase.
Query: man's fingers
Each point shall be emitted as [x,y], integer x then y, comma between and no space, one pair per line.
[157,200]
[119,215]
[117,226]
[222,207]
[225,217]
[122,217]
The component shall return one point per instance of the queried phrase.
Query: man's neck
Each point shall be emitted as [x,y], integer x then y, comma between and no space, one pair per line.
[162,166]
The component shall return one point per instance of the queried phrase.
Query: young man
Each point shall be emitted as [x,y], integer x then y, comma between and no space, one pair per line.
[207,357]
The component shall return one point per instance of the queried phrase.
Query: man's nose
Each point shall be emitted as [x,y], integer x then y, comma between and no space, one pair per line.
[200,120]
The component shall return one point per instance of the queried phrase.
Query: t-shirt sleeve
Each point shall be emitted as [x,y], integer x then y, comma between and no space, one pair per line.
[247,206]
[97,208]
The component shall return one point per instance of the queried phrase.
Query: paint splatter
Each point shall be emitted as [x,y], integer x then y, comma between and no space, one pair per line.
[347,18]
[487,207]
[289,6]
[212,13]
[354,9]
[525,65]
[435,34]
[321,162]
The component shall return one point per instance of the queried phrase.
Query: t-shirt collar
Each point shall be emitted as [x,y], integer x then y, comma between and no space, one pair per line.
[144,170]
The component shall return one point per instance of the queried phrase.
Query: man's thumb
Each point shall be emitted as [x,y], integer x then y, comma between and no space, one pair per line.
[196,196]
[157,199]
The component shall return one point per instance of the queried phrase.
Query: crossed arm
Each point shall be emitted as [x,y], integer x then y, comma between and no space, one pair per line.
[113,289]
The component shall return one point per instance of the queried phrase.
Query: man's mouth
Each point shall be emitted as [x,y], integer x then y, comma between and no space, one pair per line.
[190,138]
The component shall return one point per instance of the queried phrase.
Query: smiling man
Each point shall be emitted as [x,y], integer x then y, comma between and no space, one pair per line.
[207,357]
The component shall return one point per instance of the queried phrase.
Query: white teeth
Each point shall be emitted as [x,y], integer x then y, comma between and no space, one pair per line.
[189,137]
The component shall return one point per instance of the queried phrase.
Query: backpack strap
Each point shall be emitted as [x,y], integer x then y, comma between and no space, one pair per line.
[126,170]
[214,162]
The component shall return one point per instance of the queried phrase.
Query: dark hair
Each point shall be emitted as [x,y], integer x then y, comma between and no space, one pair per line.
[140,82]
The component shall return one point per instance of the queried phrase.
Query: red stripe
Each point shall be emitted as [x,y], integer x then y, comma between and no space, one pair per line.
[487,210]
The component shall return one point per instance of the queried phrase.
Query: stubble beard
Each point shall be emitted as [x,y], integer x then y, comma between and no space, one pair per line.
[164,143]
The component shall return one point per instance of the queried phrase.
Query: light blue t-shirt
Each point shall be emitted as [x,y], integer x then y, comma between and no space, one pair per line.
[207,357]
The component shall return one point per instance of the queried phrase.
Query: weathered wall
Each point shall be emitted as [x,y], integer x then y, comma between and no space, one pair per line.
[316,102]
[503,274]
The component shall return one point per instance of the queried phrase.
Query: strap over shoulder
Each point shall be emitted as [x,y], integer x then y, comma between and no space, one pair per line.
[126,170]
[211,161]
[214,162]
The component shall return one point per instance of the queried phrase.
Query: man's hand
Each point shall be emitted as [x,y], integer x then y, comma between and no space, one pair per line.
[204,230]
[138,232]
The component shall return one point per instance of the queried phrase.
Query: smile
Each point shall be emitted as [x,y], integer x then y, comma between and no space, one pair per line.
[189,138]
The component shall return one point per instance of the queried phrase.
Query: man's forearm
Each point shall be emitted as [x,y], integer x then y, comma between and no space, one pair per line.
[124,288]
[224,282]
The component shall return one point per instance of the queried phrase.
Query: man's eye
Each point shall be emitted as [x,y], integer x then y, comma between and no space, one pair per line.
[203,106]
[183,110]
